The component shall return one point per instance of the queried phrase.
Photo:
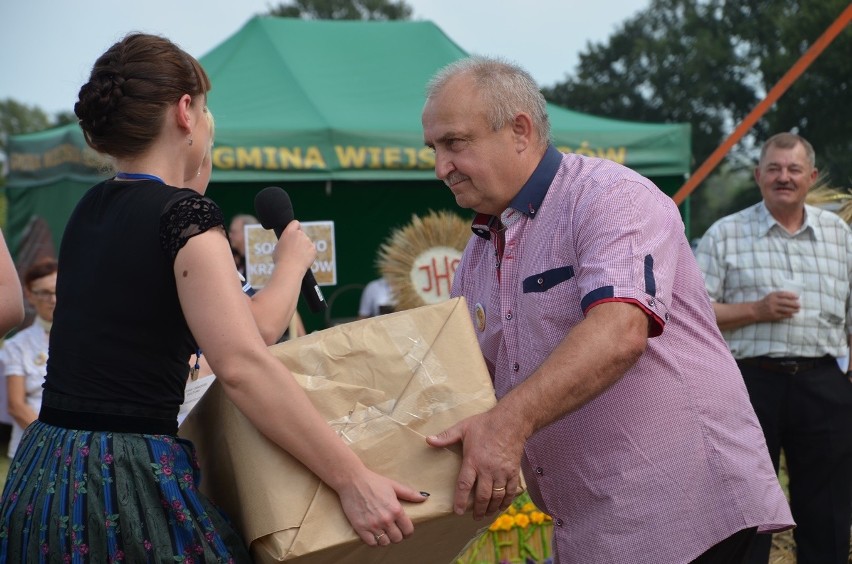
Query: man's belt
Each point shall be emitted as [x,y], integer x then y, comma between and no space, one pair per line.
[786,365]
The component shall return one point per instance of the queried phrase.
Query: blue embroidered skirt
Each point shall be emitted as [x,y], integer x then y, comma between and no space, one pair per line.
[83,496]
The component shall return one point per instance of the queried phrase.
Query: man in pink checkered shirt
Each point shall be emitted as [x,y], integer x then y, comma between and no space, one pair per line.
[618,396]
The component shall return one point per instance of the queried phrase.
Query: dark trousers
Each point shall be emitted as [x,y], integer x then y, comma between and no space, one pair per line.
[732,550]
[809,415]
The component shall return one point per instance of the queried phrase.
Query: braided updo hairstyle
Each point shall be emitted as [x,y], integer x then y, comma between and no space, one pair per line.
[131,86]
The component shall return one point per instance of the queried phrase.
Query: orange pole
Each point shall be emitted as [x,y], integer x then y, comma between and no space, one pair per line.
[780,87]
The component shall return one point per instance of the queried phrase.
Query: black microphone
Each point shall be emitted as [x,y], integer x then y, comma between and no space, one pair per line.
[275,211]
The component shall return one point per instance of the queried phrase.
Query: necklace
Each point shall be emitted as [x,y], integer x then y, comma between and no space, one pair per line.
[193,372]
[138,176]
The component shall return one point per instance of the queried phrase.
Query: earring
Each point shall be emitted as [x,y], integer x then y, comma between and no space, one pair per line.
[190,141]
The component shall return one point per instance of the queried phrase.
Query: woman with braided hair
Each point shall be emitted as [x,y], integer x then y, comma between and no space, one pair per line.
[101,476]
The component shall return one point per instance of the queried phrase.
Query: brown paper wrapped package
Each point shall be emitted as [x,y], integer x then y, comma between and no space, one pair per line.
[383,383]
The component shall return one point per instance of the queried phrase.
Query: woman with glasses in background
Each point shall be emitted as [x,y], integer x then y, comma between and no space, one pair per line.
[24,356]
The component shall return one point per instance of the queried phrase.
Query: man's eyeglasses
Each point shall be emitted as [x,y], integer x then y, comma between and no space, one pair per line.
[43,294]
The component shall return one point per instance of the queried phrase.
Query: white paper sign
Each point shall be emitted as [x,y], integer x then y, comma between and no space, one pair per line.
[260,244]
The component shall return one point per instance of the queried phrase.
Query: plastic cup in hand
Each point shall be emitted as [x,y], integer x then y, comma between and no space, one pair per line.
[796,287]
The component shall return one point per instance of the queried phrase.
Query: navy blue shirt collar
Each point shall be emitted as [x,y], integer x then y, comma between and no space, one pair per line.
[530,196]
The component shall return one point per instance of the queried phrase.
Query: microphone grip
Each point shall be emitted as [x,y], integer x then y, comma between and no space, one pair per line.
[312,293]
[310,289]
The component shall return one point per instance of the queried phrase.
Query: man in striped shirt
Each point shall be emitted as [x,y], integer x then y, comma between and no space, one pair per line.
[779,275]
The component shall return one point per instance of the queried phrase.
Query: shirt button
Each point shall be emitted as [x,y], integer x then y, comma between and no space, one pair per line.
[540,281]
[558,522]
[539,470]
[651,302]
[509,316]
[515,367]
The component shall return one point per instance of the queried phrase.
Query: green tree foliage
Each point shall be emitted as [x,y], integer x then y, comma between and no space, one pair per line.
[18,118]
[730,189]
[709,63]
[64,118]
[343,10]
[817,105]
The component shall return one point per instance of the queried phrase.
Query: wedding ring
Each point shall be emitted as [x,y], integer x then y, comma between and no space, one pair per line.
[503,489]
[379,536]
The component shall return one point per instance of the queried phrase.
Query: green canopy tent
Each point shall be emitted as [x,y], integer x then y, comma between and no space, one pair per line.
[329,111]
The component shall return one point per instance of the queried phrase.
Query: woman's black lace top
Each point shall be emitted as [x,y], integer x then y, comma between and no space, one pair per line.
[119,332]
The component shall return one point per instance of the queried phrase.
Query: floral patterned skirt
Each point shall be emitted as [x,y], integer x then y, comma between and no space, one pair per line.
[83,496]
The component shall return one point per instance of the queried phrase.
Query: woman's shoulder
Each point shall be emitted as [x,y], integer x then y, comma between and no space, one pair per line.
[188,214]
[175,195]
[21,340]
[189,204]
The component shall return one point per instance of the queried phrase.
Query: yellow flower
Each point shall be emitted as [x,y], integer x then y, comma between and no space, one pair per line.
[537,517]
[502,523]
[522,520]
[512,510]
[528,507]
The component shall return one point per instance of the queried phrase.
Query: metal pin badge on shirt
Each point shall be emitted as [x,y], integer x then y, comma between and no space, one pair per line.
[480,317]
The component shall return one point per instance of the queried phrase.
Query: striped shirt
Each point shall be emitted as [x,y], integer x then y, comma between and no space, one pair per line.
[670,459]
[747,255]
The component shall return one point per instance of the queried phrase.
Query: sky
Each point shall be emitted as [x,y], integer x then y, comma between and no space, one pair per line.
[47,47]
